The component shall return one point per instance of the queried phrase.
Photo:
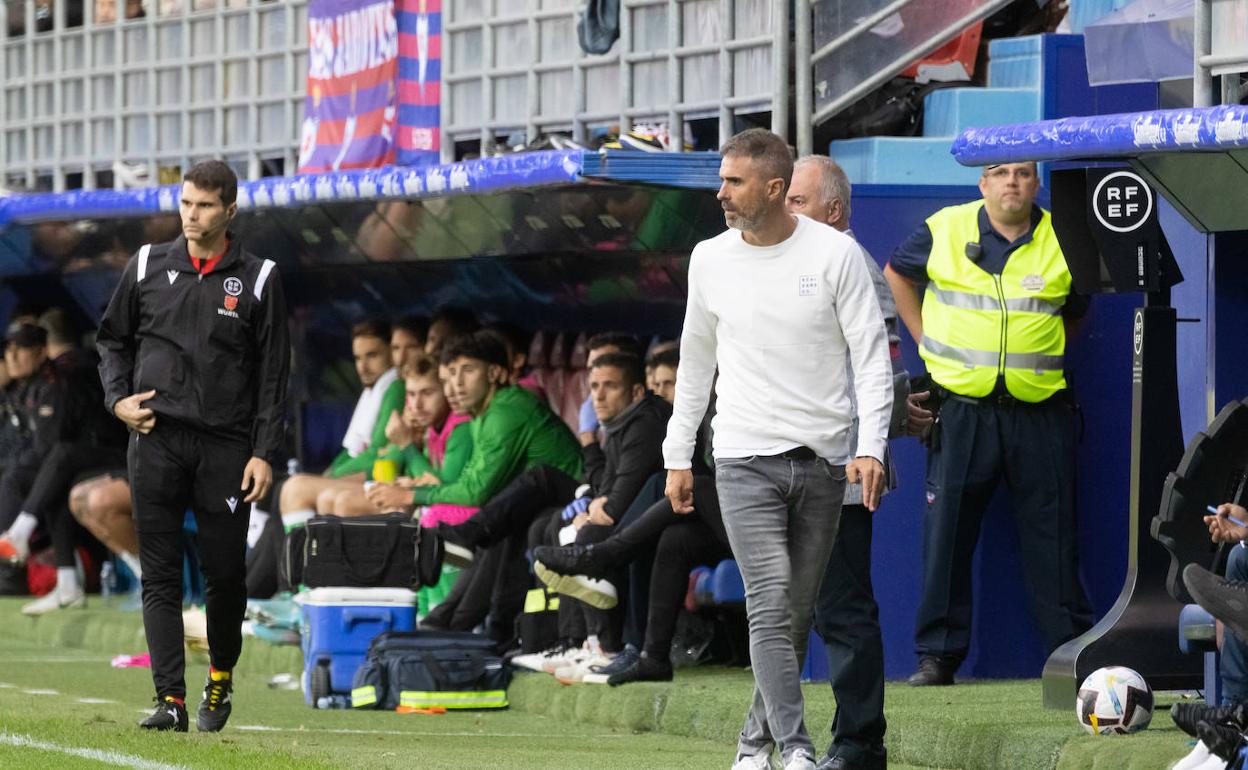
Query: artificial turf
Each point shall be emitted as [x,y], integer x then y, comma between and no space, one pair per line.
[690,723]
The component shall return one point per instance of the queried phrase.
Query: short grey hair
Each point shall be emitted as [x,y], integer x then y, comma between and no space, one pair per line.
[833,181]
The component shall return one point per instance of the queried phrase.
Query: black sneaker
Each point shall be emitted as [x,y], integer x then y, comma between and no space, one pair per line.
[574,559]
[646,669]
[626,659]
[469,533]
[933,672]
[169,715]
[1222,740]
[1226,600]
[1186,715]
[215,708]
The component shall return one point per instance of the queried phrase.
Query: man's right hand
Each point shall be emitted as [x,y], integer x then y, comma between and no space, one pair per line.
[918,419]
[679,490]
[130,411]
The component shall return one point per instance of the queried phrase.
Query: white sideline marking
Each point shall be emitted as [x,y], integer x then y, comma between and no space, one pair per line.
[350,731]
[96,701]
[7,686]
[41,692]
[98,755]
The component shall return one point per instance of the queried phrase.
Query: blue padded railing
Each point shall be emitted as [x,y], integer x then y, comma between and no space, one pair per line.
[698,170]
[1124,135]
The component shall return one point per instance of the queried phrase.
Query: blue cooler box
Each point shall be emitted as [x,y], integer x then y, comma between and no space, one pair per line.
[340,623]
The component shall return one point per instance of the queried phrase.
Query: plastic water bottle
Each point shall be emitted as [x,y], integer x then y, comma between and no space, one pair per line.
[108,580]
[333,702]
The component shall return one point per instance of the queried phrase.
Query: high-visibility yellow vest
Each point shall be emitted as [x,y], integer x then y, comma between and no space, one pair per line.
[978,326]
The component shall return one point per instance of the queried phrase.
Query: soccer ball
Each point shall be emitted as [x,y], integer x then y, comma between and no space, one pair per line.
[1113,700]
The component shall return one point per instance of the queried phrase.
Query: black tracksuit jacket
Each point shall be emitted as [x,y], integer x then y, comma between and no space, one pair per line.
[215,348]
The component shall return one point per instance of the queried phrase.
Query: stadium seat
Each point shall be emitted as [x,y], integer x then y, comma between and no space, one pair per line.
[726,584]
[1198,635]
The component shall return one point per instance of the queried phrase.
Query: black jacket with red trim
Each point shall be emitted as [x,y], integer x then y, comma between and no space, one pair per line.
[215,347]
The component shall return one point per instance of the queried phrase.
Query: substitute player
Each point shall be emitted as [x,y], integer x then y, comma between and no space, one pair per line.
[195,356]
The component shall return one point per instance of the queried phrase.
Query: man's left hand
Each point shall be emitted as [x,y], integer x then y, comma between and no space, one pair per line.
[258,477]
[389,497]
[869,472]
[598,512]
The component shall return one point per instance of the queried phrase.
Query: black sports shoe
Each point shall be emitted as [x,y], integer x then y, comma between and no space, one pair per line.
[1226,600]
[933,672]
[469,533]
[215,708]
[626,659]
[169,715]
[1186,715]
[646,669]
[574,559]
[1221,739]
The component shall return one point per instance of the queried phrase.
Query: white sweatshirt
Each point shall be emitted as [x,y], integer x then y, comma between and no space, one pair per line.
[360,430]
[780,322]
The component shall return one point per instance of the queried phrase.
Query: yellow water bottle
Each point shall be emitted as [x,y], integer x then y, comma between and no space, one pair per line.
[385,471]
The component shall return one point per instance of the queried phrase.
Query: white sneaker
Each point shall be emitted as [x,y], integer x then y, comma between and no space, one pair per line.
[536,661]
[753,762]
[575,655]
[800,760]
[593,591]
[581,669]
[1198,756]
[53,601]
[1214,762]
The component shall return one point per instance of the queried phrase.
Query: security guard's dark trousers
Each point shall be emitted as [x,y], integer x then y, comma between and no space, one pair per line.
[848,620]
[1032,448]
[174,468]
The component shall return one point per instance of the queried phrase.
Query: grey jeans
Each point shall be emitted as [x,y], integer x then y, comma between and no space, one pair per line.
[781,516]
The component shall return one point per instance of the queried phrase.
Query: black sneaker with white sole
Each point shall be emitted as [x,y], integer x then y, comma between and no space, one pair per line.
[215,708]
[169,715]
[1226,600]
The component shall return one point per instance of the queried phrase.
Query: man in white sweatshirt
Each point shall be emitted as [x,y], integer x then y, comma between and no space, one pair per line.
[780,304]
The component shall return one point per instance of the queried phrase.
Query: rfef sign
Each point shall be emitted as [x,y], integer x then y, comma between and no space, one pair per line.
[1122,202]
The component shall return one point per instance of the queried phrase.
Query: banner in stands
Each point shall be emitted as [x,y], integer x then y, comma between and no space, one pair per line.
[419,81]
[352,102]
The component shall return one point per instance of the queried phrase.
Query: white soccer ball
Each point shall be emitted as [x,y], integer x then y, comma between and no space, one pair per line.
[1114,700]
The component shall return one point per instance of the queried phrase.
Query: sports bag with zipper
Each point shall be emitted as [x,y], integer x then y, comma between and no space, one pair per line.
[431,669]
[380,551]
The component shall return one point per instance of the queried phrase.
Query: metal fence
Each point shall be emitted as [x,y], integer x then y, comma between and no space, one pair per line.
[92,90]
[514,68]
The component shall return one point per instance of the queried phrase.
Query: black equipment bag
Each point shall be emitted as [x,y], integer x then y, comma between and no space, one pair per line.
[431,669]
[361,551]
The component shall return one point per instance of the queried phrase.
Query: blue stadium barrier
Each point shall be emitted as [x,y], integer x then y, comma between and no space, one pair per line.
[1125,135]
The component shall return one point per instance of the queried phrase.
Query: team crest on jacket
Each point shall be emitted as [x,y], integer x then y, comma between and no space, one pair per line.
[231,303]
[233,287]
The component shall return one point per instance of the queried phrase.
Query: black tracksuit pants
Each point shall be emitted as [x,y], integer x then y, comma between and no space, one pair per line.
[67,464]
[174,468]
[848,620]
[1031,447]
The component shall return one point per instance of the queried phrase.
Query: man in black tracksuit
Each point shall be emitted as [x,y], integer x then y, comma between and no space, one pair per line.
[195,354]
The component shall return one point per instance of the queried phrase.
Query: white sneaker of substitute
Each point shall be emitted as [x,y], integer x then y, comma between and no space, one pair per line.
[800,760]
[1214,762]
[582,669]
[56,600]
[587,650]
[753,761]
[1197,757]
[536,661]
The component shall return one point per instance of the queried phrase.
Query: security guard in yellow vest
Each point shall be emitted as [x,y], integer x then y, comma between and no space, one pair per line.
[985,289]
